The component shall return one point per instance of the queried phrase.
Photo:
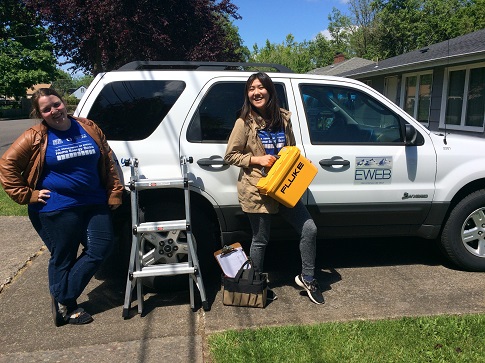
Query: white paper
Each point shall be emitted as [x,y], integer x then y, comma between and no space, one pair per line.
[232,262]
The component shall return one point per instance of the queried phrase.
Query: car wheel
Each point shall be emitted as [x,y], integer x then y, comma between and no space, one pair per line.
[172,247]
[463,236]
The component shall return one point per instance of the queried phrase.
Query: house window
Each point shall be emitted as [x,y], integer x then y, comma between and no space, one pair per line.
[417,95]
[391,85]
[463,105]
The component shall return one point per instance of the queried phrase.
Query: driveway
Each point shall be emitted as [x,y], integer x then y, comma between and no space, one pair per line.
[362,279]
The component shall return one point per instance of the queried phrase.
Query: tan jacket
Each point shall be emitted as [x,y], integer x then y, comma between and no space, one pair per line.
[243,143]
[21,165]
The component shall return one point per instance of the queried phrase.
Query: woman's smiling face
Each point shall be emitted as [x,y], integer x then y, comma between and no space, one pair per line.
[54,112]
[258,95]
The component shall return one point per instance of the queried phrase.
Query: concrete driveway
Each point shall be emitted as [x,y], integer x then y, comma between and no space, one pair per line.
[362,279]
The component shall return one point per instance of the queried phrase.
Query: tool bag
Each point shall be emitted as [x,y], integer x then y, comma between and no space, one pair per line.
[248,288]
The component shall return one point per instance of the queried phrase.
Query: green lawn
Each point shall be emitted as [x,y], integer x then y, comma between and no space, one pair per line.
[9,208]
[424,339]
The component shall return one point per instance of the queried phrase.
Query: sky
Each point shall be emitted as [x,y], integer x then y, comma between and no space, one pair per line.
[275,19]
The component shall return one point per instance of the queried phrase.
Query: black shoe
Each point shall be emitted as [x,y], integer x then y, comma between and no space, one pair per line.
[56,313]
[79,317]
[271,296]
[312,289]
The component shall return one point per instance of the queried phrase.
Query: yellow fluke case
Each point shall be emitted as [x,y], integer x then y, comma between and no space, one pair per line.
[289,177]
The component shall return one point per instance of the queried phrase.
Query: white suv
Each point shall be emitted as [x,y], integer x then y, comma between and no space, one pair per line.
[381,173]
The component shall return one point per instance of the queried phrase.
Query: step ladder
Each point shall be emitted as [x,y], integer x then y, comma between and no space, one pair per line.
[137,269]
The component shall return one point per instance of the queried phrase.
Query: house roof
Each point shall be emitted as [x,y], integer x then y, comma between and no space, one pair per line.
[460,49]
[342,67]
[30,91]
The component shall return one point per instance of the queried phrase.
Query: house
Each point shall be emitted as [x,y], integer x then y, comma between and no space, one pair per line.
[30,91]
[442,85]
[78,93]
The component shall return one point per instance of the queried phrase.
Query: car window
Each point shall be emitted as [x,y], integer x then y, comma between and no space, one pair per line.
[343,115]
[132,110]
[214,118]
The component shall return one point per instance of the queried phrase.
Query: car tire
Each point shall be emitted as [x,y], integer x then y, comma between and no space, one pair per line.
[205,238]
[463,236]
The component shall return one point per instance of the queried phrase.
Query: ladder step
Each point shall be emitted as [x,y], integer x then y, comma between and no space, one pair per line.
[165,270]
[162,226]
[159,183]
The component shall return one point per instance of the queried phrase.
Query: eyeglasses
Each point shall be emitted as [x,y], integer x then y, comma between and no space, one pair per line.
[56,105]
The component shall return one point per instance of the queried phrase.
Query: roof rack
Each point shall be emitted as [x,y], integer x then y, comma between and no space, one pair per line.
[203,66]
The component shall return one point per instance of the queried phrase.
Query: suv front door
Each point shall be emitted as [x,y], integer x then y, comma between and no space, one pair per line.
[369,182]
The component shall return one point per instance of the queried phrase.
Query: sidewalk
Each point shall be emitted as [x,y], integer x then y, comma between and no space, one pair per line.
[361,281]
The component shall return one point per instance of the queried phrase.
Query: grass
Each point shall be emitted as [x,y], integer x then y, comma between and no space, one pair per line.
[9,208]
[423,339]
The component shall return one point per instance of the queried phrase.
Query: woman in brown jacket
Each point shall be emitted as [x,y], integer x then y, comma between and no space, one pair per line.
[261,130]
[63,169]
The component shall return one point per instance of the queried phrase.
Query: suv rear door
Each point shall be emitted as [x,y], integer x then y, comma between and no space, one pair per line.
[206,131]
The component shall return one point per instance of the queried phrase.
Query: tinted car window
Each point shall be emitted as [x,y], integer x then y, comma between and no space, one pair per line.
[214,119]
[343,115]
[132,110]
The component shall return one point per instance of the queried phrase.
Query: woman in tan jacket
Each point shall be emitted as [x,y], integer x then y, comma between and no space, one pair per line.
[261,130]
[63,169]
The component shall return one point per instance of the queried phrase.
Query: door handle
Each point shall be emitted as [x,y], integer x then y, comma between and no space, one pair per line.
[332,162]
[211,162]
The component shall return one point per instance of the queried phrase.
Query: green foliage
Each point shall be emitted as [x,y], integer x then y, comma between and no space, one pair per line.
[64,83]
[26,54]
[423,339]
[340,28]
[300,57]
[406,25]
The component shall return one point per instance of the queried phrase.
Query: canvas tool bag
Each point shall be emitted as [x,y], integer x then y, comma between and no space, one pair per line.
[248,288]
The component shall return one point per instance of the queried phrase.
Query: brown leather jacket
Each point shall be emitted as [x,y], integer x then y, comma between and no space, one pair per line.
[21,165]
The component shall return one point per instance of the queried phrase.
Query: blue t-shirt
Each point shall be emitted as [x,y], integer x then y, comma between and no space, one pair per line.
[272,141]
[71,170]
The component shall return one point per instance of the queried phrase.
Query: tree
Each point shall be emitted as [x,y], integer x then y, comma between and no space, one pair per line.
[321,52]
[64,82]
[362,32]
[290,53]
[240,53]
[340,27]
[26,55]
[102,35]
[406,25]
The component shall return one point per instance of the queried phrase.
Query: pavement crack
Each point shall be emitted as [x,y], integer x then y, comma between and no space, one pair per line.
[9,280]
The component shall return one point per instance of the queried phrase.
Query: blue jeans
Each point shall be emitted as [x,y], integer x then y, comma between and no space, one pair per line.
[63,232]
[299,218]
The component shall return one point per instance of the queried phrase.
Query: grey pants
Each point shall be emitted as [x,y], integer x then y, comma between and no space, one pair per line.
[299,218]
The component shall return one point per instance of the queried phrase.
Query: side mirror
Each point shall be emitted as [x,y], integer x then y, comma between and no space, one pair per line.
[411,135]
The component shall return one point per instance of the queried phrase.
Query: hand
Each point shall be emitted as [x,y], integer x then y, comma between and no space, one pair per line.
[265,160]
[44,194]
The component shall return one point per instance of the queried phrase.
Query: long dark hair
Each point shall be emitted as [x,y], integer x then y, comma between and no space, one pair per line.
[35,100]
[273,114]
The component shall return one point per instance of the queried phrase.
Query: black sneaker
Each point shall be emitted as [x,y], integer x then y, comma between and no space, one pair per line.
[312,289]
[271,295]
